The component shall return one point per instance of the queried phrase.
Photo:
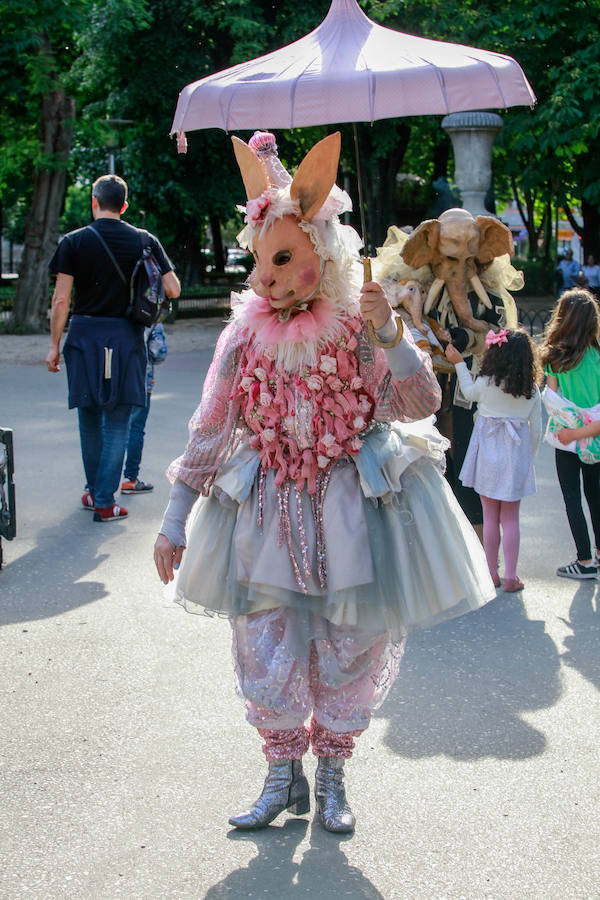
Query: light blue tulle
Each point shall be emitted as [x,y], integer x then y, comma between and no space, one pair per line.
[424,560]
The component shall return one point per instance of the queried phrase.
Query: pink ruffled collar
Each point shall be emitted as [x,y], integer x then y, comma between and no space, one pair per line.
[313,325]
[298,341]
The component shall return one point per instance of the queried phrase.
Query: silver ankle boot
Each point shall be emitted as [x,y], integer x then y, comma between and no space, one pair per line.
[330,795]
[285,787]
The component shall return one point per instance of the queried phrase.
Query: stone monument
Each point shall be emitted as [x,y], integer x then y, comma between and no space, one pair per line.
[473,135]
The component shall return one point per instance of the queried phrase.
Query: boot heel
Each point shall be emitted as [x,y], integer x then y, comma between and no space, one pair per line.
[301,807]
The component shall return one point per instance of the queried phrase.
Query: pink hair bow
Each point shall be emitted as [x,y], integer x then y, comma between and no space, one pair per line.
[496,338]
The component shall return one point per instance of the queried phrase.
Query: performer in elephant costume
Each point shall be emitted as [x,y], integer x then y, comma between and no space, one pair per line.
[322,525]
[459,260]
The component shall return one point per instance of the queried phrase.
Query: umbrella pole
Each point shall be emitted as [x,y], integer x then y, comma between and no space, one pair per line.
[360,192]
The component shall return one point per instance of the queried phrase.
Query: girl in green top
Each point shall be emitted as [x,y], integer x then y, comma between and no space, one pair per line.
[570,355]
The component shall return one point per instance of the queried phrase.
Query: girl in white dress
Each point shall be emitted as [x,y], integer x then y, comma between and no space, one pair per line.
[506,437]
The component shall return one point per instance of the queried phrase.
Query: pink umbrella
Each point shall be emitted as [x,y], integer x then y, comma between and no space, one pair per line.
[351,70]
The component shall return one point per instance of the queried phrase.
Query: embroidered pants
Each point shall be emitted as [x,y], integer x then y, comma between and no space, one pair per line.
[290,663]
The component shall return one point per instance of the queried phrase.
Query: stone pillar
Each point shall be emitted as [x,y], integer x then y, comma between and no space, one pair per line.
[472,135]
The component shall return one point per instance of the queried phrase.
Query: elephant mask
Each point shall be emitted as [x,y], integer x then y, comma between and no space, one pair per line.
[458,247]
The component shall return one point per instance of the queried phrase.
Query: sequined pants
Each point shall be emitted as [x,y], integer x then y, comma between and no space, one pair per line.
[290,663]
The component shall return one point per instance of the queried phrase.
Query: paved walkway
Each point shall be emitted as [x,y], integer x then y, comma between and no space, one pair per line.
[124,749]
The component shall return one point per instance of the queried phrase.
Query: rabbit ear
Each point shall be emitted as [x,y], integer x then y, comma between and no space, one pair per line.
[253,171]
[316,175]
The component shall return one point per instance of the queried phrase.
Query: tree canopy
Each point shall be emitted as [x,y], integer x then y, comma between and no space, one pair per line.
[85,79]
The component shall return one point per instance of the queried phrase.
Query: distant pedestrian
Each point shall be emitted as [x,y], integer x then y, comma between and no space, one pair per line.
[156,345]
[104,351]
[591,273]
[507,434]
[570,355]
[567,271]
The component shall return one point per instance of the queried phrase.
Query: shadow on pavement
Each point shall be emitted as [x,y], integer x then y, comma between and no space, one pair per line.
[582,646]
[462,686]
[323,870]
[46,581]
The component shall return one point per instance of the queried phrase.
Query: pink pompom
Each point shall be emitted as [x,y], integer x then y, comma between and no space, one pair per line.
[263,142]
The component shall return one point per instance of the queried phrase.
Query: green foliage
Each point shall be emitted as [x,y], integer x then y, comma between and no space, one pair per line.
[125,62]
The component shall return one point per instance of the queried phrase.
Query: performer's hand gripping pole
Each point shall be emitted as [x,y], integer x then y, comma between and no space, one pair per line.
[368,276]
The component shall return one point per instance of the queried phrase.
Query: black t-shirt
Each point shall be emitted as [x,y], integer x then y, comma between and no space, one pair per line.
[98,288]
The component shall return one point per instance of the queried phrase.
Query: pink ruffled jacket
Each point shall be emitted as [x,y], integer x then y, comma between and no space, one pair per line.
[297,422]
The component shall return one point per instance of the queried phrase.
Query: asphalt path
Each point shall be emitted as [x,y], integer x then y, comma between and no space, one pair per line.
[123,747]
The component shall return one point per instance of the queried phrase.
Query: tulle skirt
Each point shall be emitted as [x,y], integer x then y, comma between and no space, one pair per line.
[387,551]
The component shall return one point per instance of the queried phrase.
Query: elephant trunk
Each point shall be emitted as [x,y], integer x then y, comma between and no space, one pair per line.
[457,291]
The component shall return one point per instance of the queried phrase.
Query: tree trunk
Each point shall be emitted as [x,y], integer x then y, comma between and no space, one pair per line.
[41,228]
[218,250]
[591,230]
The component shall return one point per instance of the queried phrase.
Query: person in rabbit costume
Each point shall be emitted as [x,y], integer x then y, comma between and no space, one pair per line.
[322,525]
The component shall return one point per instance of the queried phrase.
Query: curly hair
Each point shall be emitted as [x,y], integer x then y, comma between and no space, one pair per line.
[573,328]
[514,365]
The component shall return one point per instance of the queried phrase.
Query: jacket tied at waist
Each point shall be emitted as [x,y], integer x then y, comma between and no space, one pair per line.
[106,362]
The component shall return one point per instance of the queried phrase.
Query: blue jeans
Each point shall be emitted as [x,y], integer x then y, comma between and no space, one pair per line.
[103,435]
[135,441]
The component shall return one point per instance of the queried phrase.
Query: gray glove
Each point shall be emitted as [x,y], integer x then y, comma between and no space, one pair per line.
[181,500]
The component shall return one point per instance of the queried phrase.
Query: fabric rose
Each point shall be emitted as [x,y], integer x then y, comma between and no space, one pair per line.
[260,374]
[256,209]
[315,382]
[247,382]
[328,365]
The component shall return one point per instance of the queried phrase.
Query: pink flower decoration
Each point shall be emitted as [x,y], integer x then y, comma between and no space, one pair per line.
[315,382]
[257,208]
[328,365]
[337,406]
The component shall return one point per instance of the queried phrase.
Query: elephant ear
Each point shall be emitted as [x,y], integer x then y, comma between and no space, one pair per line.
[496,239]
[253,171]
[316,175]
[419,249]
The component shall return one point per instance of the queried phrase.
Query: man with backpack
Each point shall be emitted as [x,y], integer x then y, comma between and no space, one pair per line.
[104,351]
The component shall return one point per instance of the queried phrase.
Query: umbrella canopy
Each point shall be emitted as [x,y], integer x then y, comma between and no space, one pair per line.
[351,70]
